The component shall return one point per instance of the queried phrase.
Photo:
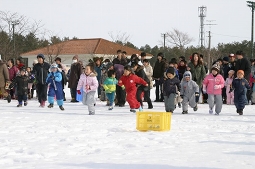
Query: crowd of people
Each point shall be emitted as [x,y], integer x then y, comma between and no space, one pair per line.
[182,83]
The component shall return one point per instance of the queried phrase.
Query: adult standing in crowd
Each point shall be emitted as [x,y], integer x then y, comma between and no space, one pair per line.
[74,76]
[243,63]
[124,60]
[41,70]
[117,60]
[98,70]
[197,69]
[19,64]
[4,77]
[158,74]
[13,71]
[232,61]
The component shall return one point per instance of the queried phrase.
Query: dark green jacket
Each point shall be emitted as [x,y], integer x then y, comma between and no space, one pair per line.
[198,73]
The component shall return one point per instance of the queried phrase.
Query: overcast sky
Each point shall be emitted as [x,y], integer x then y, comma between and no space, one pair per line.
[143,20]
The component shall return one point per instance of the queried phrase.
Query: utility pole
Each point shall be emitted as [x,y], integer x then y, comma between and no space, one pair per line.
[209,52]
[164,42]
[252,6]
[202,15]
[14,23]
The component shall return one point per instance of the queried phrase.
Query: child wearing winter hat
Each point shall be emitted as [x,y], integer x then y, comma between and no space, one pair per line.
[212,85]
[54,79]
[88,82]
[228,84]
[129,81]
[110,87]
[238,85]
[171,86]
[21,82]
[189,92]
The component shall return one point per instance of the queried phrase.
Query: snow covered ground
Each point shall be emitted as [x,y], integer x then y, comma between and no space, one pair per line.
[43,138]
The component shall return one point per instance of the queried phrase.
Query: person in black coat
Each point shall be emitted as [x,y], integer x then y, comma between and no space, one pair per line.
[138,70]
[240,85]
[41,70]
[21,82]
[244,64]
[158,74]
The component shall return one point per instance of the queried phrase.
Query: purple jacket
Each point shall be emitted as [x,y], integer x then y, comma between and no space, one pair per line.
[90,80]
[119,70]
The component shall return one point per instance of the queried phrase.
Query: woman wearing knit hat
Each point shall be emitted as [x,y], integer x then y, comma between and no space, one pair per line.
[239,85]
[212,85]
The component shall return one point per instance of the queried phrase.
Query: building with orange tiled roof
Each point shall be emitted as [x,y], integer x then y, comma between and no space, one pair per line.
[86,49]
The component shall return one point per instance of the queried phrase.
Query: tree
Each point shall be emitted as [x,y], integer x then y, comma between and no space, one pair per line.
[16,27]
[178,39]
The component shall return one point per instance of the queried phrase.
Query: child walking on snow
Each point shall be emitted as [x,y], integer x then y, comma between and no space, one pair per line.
[228,84]
[129,81]
[88,82]
[21,83]
[238,85]
[54,80]
[110,87]
[169,89]
[212,85]
[189,92]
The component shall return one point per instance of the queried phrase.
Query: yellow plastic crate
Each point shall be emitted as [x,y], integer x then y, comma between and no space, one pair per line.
[156,121]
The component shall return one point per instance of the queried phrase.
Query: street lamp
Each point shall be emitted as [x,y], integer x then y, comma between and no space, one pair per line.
[14,23]
[252,6]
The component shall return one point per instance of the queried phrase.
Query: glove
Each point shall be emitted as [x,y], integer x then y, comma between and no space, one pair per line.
[123,87]
[181,96]
[78,91]
[197,97]
[217,86]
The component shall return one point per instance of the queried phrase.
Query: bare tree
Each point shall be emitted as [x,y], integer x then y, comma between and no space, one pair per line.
[178,38]
[121,38]
[14,24]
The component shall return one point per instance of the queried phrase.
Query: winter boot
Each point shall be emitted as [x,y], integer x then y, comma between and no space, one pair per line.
[140,108]
[150,106]
[19,105]
[9,98]
[217,114]
[210,111]
[195,108]
[61,107]
[132,110]
[110,108]
[51,105]
[185,112]
[25,103]
[91,113]
[42,104]
[240,112]
[179,105]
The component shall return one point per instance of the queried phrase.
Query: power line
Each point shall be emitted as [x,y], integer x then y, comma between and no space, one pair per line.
[229,35]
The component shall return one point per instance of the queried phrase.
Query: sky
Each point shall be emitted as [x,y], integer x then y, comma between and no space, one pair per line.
[143,21]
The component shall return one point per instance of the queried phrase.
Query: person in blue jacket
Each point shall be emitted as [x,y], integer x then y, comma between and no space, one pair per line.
[239,85]
[54,80]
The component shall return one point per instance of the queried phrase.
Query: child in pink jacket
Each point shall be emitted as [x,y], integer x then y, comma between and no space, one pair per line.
[212,85]
[228,84]
[88,82]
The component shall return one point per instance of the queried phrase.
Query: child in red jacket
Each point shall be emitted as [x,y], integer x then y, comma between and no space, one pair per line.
[129,81]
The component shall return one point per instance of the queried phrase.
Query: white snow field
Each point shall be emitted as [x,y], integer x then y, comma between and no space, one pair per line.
[43,138]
